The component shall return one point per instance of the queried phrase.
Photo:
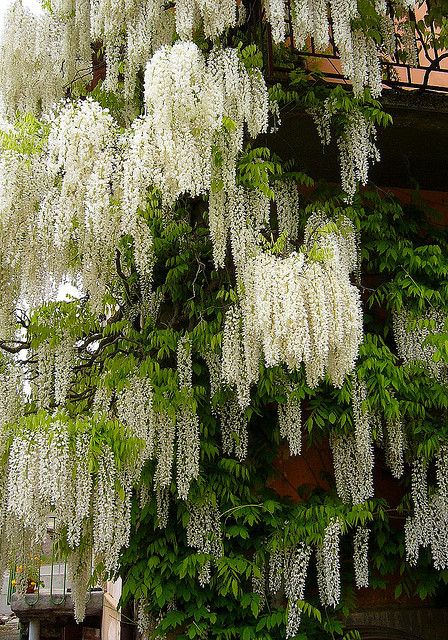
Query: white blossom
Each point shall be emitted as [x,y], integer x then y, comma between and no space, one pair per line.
[296,310]
[187,424]
[290,423]
[353,473]
[233,428]
[40,56]
[357,149]
[410,334]
[259,582]
[82,156]
[395,446]
[135,408]
[48,470]
[276,566]
[360,556]
[328,566]
[287,206]
[204,534]
[418,525]
[296,568]
[356,144]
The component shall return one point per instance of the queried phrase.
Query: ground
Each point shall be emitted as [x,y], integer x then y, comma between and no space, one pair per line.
[9,631]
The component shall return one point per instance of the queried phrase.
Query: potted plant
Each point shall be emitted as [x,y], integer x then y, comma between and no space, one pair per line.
[32,581]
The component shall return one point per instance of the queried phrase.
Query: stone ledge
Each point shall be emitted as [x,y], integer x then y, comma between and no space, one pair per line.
[25,609]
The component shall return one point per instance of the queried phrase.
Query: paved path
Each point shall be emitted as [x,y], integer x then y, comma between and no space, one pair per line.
[9,631]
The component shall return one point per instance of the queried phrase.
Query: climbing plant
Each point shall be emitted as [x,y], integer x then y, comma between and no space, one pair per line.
[225,312]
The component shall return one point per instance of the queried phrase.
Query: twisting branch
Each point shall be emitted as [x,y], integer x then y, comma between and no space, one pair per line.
[23,318]
[122,275]
[14,346]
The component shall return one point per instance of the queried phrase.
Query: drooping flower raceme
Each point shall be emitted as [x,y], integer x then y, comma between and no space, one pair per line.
[356,143]
[410,334]
[187,98]
[82,158]
[296,310]
[360,556]
[216,17]
[290,423]
[426,527]
[204,534]
[171,146]
[296,568]
[49,469]
[187,423]
[287,205]
[23,184]
[328,566]
[41,55]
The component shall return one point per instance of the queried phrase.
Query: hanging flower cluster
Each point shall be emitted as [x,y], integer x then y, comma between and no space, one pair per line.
[79,573]
[43,382]
[167,439]
[135,409]
[57,207]
[23,184]
[287,206]
[12,394]
[395,446]
[133,28]
[61,206]
[360,556]
[216,17]
[82,150]
[353,452]
[187,423]
[51,370]
[187,101]
[297,310]
[356,144]
[65,358]
[357,150]
[358,51]
[48,470]
[354,482]
[275,574]
[234,431]
[41,55]
[288,570]
[427,526]
[410,334]
[328,566]
[157,429]
[131,31]
[296,568]
[290,423]
[205,535]
[231,208]
[259,581]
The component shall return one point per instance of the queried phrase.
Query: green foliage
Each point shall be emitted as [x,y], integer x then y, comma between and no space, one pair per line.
[27,136]
[399,267]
